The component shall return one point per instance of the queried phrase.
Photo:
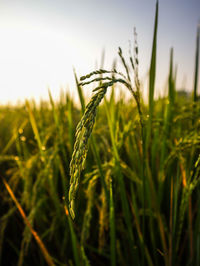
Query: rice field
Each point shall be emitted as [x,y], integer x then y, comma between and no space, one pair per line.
[110,181]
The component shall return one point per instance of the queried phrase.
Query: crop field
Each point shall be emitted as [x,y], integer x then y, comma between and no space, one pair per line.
[108,181]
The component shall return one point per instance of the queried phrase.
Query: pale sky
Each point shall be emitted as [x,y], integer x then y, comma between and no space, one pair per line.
[42,40]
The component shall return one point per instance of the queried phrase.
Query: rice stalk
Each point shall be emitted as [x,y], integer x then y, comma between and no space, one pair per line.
[84,129]
[83,132]
[95,149]
[73,238]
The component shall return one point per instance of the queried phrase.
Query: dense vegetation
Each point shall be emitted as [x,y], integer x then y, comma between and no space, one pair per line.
[138,199]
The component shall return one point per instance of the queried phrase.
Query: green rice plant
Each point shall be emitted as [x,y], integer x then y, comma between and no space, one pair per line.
[138,202]
[93,141]
[87,122]
[84,129]
[120,180]
[83,132]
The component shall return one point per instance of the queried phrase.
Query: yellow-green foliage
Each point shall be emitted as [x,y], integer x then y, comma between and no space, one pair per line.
[136,165]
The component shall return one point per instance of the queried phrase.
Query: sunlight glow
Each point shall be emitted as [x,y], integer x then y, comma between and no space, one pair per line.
[34,58]
[41,42]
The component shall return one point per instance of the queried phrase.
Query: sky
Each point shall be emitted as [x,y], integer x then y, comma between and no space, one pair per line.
[43,40]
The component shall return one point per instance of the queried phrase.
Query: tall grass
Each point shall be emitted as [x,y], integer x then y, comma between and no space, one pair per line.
[130,195]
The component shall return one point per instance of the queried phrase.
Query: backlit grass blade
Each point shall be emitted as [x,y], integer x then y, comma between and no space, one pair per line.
[196,72]
[69,107]
[152,75]
[13,138]
[35,128]
[80,93]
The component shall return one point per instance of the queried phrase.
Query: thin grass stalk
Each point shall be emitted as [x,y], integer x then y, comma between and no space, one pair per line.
[190,218]
[197,235]
[171,224]
[73,238]
[174,215]
[112,228]
[40,243]
[196,72]
[124,64]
